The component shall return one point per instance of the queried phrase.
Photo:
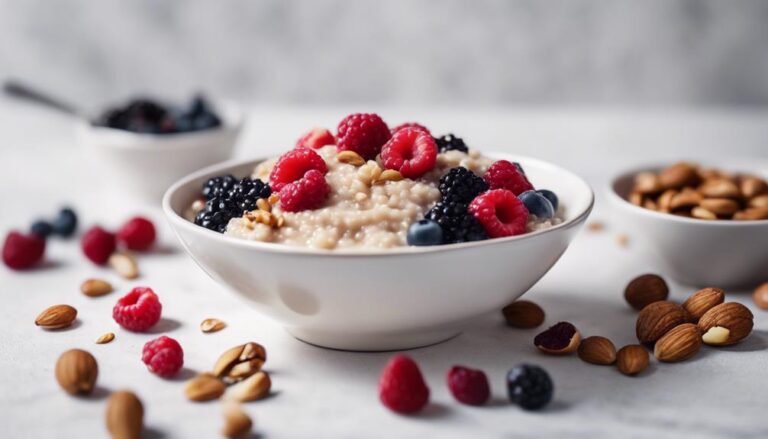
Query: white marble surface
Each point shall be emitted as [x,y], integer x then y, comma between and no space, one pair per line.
[323,393]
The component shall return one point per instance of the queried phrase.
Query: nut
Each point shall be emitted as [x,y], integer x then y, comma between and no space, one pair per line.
[273,199]
[753,186]
[680,343]
[124,264]
[237,424]
[124,415]
[632,359]
[644,290]
[388,175]
[759,201]
[560,339]
[264,205]
[204,387]
[678,175]
[96,287]
[351,158]
[253,388]
[240,362]
[733,316]
[622,239]
[719,188]
[647,183]
[369,172]
[702,301]
[596,226]
[657,319]
[650,204]
[76,372]
[664,201]
[760,296]
[685,199]
[717,335]
[212,325]
[56,317]
[702,213]
[752,214]
[523,314]
[106,338]
[636,198]
[597,350]
[720,206]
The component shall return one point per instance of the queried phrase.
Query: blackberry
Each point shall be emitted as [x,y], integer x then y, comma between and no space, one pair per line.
[449,142]
[457,223]
[529,386]
[461,185]
[229,198]
[147,116]
[248,190]
[218,186]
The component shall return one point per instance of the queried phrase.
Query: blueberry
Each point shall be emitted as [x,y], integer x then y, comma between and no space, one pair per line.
[529,386]
[519,167]
[65,224]
[425,232]
[537,204]
[41,228]
[549,195]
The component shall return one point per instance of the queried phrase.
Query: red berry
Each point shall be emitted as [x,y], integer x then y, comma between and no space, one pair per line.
[410,151]
[401,386]
[500,212]
[22,251]
[163,356]
[363,133]
[137,234]
[307,193]
[292,166]
[138,310]
[413,125]
[98,245]
[315,138]
[468,386]
[505,175]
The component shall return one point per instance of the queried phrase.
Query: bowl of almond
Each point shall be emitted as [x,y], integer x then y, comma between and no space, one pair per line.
[707,224]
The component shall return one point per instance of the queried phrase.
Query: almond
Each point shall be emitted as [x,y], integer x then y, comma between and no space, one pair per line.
[95,287]
[720,206]
[753,186]
[523,314]
[680,343]
[632,359]
[644,290]
[657,319]
[733,316]
[702,213]
[562,338]
[678,175]
[760,296]
[720,188]
[240,362]
[204,387]
[124,264]
[687,198]
[636,198]
[759,201]
[56,317]
[124,415]
[752,214]
[702,301]
[237,424]
[665,200]
[212,325]
[389,175]
[350,158]
[106,338]
[647,183]
[76,372]
[597,350]
[253,388]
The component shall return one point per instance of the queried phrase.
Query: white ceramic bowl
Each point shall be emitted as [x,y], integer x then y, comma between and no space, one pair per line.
[385,299]
[726,254]
[141,167]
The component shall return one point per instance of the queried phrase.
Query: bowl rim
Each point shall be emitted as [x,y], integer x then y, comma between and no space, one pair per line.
[623,203]
[177,220]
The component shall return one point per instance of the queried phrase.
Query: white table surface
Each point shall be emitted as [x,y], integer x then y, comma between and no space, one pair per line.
[325,393]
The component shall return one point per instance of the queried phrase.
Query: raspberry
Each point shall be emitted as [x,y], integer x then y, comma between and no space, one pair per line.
[307,193]
[22,251]
[505,175]
[138,310]
[137,234]
[410,151]
[500,212]
[401,386]
[98,244]
[363,133]
[315,138]
[469,386]
[292,166]
[413,125]
[163,356]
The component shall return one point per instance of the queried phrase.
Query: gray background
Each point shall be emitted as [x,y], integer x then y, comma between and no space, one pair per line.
[458,52]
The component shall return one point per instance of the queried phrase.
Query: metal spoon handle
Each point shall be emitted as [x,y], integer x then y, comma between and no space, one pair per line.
[22,91]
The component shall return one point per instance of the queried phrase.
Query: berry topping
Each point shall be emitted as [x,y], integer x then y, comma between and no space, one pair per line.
[457,223]
[315,138]
[530,387]
[363,133]
[163,356]
[401,386]
[537,204]
[218,186]
[449,142]
[469,386]
[549,195]
[424,232]
[98,245]
[410,151]
[506,175]
[41,228]
[307,193]
[22,251]
[413,125]
[65,223]
[137,234]
[228,198]
[293,165]
[138,310]
[147,116]
[500,212]
[462,185]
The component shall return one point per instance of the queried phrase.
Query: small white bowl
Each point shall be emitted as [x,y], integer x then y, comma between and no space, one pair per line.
[700,253]
[378,300]
[142,166]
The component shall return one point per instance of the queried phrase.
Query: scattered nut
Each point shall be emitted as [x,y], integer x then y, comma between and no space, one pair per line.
[702,301]
[264,205]
[760,296]
[597,350]
[124,264]
[388,175]
[632,359]
[369,172]
[646,289]
[212,325]
[204,387]
[622,239]
[657,319]
[106,338]
[351,158]
[253,388]
[124,415]
[76,372]
[240,362]
[680,343]
[523,314]
[716,335]
[596,226]
[96,287]
[237,424]
[560,339]
[56,317]
[733,316]
[273,199]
